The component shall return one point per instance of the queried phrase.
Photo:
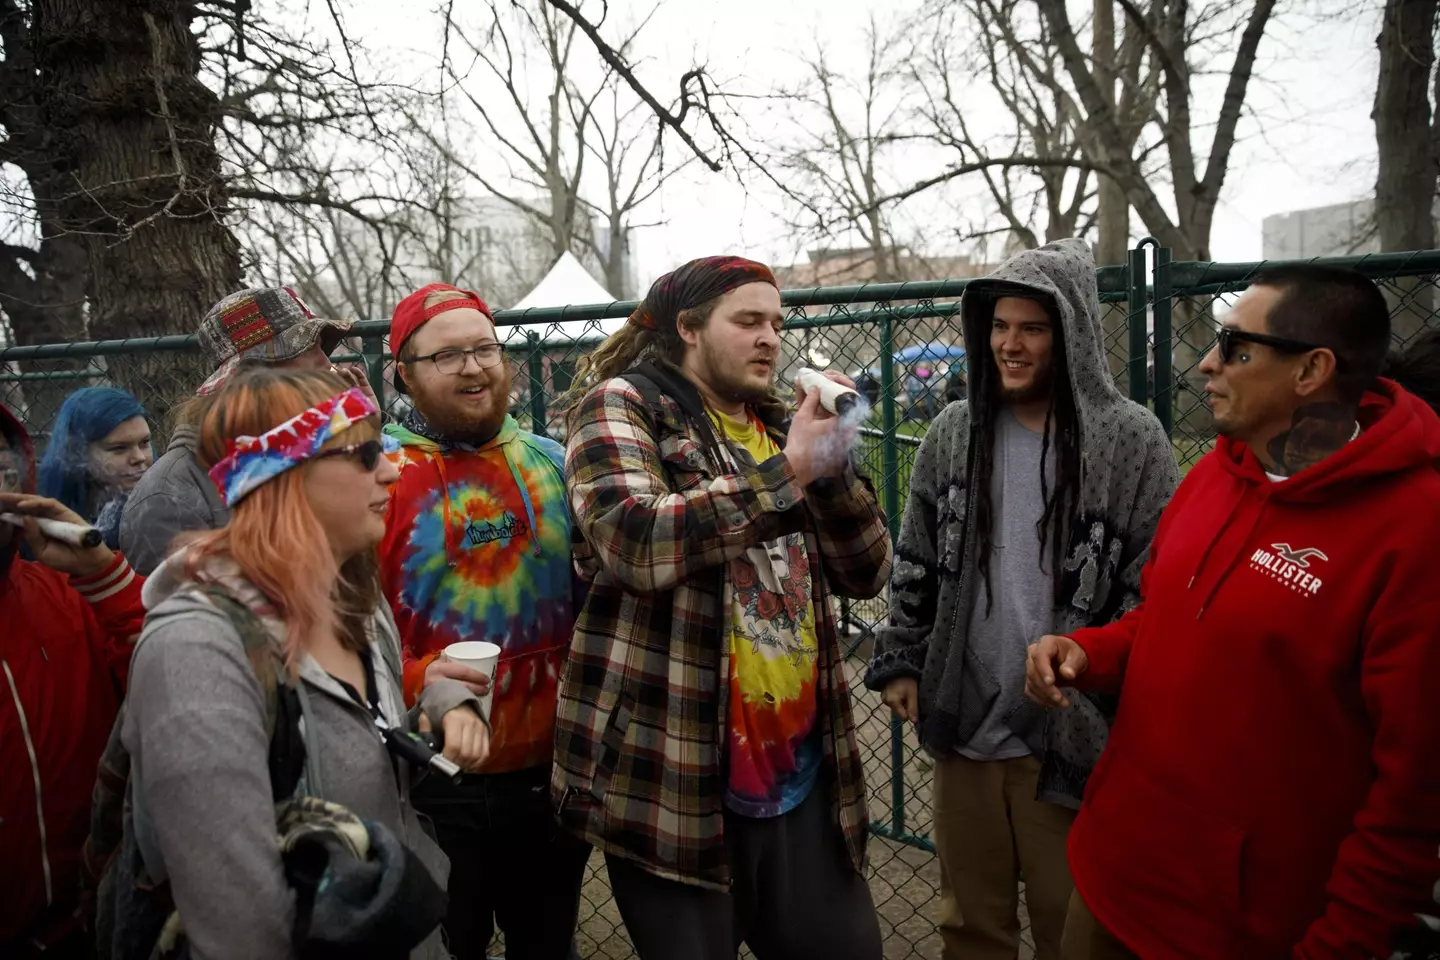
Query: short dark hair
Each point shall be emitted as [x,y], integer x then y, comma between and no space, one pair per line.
[1417,369]
[1336,308]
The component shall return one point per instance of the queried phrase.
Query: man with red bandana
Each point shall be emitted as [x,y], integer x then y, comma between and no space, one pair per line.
[477,547]
[704,738]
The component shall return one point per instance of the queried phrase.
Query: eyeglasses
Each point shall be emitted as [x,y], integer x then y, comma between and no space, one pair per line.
[368,453]
[453,361]
[1230,337]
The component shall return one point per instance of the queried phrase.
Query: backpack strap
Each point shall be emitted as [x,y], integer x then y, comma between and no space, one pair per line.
[284,705]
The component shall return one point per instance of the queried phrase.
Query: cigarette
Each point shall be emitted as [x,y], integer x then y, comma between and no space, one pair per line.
[75,534]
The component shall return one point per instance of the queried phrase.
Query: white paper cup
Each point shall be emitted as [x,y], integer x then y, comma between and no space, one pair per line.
[478,655]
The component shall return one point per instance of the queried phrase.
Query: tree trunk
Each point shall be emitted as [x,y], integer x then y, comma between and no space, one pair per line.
[1114,208]
[48,308]
[617,260]
[1406,180]
[133,132]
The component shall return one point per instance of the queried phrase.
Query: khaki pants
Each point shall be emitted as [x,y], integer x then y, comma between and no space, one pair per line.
[989,830]
[1086,939]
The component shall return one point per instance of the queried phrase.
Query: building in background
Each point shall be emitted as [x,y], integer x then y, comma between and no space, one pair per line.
[1338,230]
[842,266]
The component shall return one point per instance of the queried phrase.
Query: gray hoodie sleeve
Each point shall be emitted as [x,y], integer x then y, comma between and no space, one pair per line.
[196,733]
[901,644]
[1159,476]
[442,696]
[152,521]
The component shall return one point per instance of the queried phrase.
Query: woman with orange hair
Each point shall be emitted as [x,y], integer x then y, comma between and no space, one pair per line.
[298,458]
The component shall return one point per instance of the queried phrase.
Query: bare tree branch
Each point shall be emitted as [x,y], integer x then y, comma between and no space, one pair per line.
[675,121]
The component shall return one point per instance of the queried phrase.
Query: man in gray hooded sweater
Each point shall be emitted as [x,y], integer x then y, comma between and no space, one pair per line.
[1068,480]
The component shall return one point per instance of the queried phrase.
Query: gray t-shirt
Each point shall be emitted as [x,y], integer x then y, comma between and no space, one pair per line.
[1022,593]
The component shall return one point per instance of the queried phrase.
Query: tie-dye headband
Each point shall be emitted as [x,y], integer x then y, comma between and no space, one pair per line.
[253,461]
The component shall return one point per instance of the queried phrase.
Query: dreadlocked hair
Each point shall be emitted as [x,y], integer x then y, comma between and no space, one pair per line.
[1062,434]
[630,345]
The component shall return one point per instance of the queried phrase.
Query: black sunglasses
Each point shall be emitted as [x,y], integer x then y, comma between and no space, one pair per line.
[1230,337]
[368,453]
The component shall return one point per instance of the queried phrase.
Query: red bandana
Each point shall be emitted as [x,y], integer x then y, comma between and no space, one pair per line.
[693,284]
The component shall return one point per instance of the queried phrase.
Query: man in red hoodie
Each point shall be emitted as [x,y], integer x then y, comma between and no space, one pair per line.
[65,643]
[1270,786]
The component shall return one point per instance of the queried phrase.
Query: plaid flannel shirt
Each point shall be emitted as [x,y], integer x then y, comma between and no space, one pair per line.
[642,725]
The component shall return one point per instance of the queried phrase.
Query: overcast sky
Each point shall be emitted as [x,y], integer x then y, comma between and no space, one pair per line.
[1307,139]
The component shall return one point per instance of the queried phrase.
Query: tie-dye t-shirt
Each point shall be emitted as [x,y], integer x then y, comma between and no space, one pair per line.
[775,750]
[477,547]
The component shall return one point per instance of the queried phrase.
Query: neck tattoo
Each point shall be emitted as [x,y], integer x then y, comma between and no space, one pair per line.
[1316,431]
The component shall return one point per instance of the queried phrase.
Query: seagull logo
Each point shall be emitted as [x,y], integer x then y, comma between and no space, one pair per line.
[1301,558]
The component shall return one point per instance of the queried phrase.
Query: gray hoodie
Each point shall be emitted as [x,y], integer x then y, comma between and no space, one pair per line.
[195,730]
[1128,473]
[174,495]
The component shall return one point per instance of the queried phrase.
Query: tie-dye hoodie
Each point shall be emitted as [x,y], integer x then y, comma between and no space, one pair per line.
[477,547]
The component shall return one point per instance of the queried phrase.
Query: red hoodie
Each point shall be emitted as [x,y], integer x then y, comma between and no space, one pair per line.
[1271,785]
[65,644]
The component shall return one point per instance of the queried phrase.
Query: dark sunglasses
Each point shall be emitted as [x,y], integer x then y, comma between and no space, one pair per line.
[367,453]
[1230,337]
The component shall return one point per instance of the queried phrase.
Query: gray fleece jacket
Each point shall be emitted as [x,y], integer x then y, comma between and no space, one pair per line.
[1128,473]
[195,730]
[175,495]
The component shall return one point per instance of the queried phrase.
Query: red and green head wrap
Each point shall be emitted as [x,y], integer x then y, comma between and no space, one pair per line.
[695,283]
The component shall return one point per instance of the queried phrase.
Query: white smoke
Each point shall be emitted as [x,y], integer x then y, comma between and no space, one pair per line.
[835,447]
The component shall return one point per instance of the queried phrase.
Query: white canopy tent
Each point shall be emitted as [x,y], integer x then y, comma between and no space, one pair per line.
[567,284]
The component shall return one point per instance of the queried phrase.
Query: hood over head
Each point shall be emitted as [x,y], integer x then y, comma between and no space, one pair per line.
[23,452]
[1062,272]
[23,447]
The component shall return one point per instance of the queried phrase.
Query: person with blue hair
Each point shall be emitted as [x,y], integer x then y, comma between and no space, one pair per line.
[98,450]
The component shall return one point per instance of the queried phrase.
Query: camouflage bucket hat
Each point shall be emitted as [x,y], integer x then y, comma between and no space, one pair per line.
[262,325]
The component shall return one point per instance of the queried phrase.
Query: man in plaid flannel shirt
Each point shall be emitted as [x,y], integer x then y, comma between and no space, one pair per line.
[704,739]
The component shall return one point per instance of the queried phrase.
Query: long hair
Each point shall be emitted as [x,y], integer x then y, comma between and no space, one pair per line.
[1062,436]
[273,535]
[630,345]
[1417,368]
[88,415]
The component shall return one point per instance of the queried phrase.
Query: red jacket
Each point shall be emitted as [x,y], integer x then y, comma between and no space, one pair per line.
[1271,785]
[64,647]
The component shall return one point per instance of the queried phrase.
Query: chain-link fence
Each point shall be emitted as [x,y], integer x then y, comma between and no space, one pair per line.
[902,344]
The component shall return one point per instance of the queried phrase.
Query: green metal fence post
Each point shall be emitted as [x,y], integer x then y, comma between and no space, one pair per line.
[1164,345]
[890,467]
[372,349]
[535,364]
[1136,315]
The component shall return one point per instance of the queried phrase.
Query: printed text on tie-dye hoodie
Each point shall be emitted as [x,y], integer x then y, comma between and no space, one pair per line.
[477,547]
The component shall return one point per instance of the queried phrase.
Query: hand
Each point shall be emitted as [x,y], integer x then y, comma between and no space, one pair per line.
[902,695]
[467,737]
[356,375]
[817,446]
[442,669]
[822,413]
[55,554]
[1048,656]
